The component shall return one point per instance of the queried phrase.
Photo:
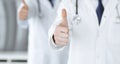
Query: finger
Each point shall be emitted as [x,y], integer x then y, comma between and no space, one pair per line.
[24,15]
[62,39]
[64,17]
[63,35]
[24,11]
[23,18]
[61,32]
[24,3]
[62,29]
[61,43]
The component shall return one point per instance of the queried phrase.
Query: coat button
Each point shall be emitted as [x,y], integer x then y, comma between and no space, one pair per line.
[104,16]
[98,33]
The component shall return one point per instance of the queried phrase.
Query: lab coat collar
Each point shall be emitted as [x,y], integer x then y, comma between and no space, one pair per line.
[108,11]
[108,4]
[111,3]
[89,5]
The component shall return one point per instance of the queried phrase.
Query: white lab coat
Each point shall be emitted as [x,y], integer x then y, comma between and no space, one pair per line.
[56,4]
[38,45]
[90,43]
[39,51]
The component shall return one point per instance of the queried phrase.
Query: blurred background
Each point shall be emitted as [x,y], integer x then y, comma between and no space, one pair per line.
[13,39]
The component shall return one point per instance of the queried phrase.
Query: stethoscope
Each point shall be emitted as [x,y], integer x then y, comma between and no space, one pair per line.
[76,18]
[39,9]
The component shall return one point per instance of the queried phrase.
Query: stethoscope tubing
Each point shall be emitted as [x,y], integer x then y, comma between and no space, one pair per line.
[39,7]
[76,7]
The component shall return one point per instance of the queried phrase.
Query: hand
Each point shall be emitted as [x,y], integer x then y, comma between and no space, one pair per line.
[61,34]
[23,14]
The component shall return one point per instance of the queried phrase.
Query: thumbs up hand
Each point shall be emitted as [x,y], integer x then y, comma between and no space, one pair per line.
[24,11]
[62,32]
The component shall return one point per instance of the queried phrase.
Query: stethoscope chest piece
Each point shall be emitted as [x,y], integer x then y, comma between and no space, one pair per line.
[118,13]
[76,20]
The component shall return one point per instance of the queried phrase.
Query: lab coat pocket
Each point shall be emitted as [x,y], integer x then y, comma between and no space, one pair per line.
[114,40]
[117,20]
[115,32]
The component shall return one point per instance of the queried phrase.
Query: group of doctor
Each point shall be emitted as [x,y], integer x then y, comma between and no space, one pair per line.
[89,29]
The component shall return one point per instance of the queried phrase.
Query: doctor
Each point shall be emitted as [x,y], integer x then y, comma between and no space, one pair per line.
[35,14]
[92,30]
[38,15]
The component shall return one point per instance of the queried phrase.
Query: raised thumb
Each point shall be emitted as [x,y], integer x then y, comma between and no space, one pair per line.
[64,18]
[23,1]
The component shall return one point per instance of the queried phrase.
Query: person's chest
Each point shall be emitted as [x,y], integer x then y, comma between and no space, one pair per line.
[87,13]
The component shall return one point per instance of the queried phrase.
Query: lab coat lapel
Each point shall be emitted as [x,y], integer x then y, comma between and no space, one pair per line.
[108,11]
[92,11]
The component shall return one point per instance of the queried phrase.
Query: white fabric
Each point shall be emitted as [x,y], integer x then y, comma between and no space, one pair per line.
[89,42]
[39,51]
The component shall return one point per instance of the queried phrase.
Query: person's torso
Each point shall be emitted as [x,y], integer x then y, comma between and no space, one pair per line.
[90,42]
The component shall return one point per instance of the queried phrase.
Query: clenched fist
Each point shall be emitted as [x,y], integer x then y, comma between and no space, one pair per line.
[61,33]
[23,14]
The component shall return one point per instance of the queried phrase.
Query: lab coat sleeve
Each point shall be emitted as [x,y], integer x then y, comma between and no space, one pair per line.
[57,22]
[31,13]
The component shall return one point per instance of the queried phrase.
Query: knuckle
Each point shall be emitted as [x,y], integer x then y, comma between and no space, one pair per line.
[58,42]
[62,43]
[55,37]
[55,34]
[58,27]
[67,35]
